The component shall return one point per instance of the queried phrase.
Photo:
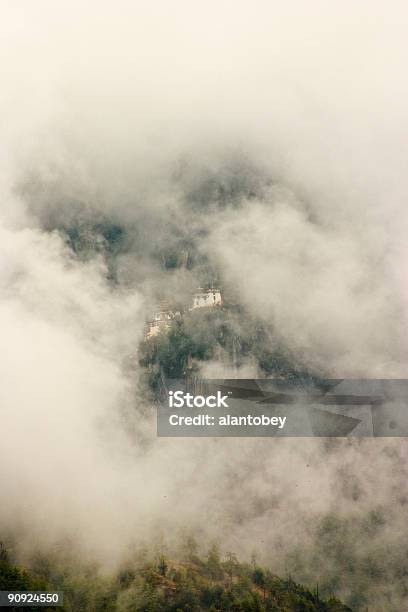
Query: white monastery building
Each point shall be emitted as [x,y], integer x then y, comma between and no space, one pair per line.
[202,298]
[206,297]
[161,322]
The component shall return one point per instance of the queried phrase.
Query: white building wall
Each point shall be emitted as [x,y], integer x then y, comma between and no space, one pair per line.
[211,297]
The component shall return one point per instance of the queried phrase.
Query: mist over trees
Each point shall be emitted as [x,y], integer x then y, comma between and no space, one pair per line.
[149,149]
[160,584]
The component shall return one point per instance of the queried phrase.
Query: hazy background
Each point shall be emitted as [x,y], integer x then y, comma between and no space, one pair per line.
[275,134]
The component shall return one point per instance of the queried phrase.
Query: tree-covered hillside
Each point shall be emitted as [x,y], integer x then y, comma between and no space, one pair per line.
[164,585]
[226,334]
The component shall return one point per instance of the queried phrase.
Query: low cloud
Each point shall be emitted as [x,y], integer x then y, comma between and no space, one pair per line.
[267,143]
